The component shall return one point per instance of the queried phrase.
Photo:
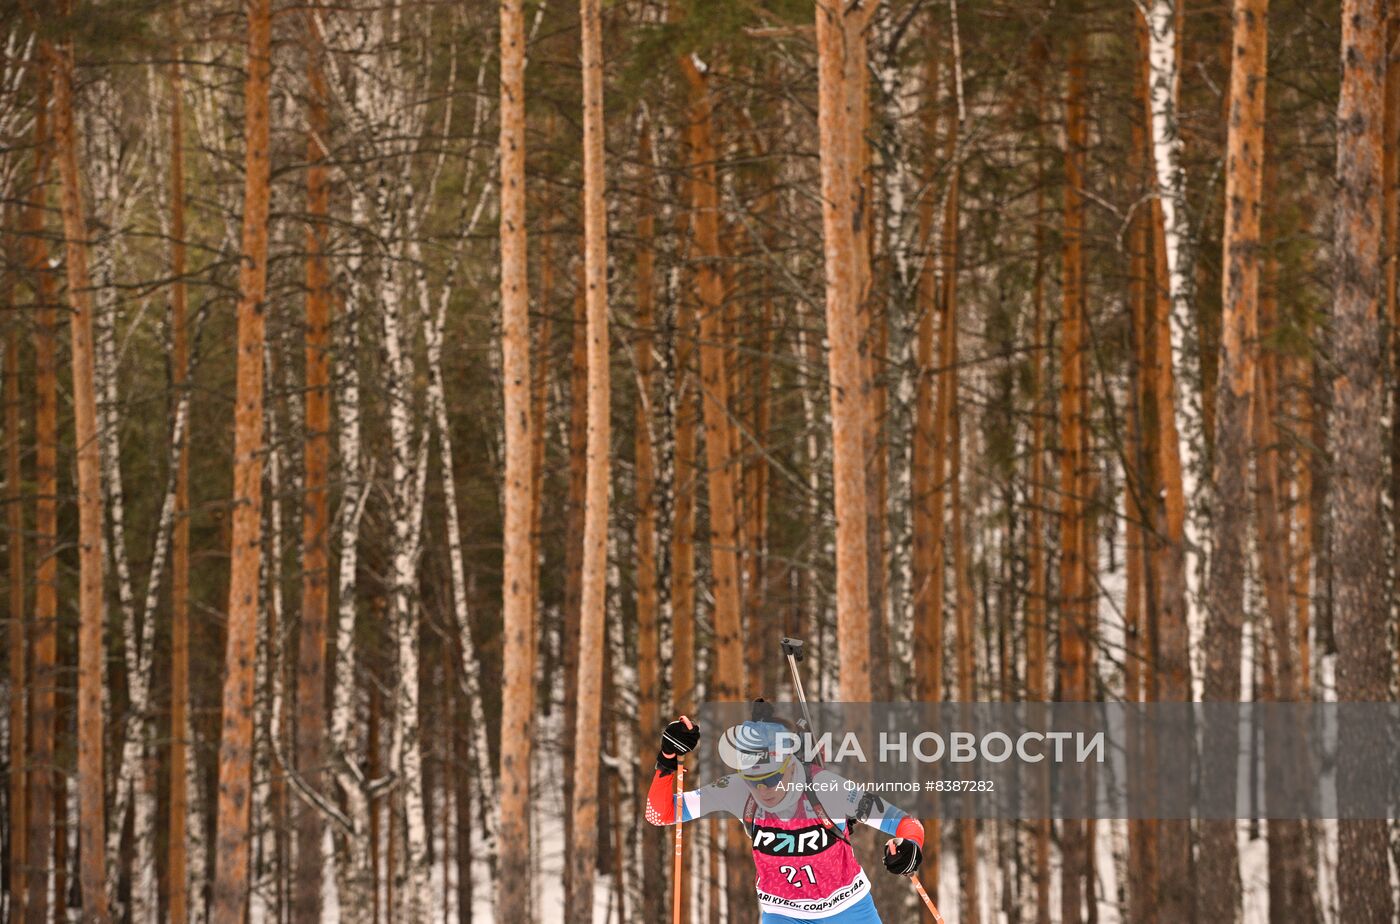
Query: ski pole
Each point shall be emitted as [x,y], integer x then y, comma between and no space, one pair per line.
[919,887]
[679,865]
[792,649]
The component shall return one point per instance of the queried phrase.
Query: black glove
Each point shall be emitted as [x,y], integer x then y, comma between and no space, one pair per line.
[905,859]
[676,740]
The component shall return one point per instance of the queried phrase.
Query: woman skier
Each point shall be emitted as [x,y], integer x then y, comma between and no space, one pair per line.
[797,817]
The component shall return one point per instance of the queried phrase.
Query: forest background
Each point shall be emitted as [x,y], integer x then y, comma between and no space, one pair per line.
[397,432]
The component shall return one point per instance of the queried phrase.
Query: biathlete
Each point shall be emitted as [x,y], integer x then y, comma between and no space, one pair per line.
[797,817]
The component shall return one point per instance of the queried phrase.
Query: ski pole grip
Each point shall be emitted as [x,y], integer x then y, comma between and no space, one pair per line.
[792,648]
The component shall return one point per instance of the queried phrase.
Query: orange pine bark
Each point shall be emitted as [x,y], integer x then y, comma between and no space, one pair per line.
[1170,677]
[1037,608]
[315,524]
[1360,584]
[683,479]
[91,792]
[1219,892]
[231,869]
[720,458]
[841,88]
[1074,586]
[573,552]
[644,468]
[44,637]
[177,872]
[15,638]
[928,609]
[1140,508]
[593,593]
[517,582]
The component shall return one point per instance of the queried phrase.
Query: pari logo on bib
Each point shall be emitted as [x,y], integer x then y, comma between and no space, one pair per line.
[799,842]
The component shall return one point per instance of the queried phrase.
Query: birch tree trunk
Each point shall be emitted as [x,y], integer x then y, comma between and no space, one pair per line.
[91,795]
[1218,897]
[841,82]
[1364,668]
[517,608]
[353,872]
[406,472]
[353,862]
[1163,19]
[236,735]
[593,592]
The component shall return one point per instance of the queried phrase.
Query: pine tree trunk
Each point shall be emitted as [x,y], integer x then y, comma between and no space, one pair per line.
[928,610]
[720,461]
[236,735]
[1390,212]
[44,641]
[681,592]
[1074,587]
[652,848]
[177,865]
[593,592]
[1140,508]
[964,605]
[517,615]
[683,480]
[315,523]
[91,795]
[1364,668]
[841,81]
[1171,662]
[573,551]
[1037,600]
[1218,896]
[15,638]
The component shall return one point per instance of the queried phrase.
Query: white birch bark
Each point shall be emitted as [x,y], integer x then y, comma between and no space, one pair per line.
[354,875]
[352,869]
[116,181]
[266,894]
[471,664]
[405,466]
[1164,88]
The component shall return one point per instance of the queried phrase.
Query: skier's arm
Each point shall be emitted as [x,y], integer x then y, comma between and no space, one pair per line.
[842,800]
[904,851]
[678,739]
[696,803]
